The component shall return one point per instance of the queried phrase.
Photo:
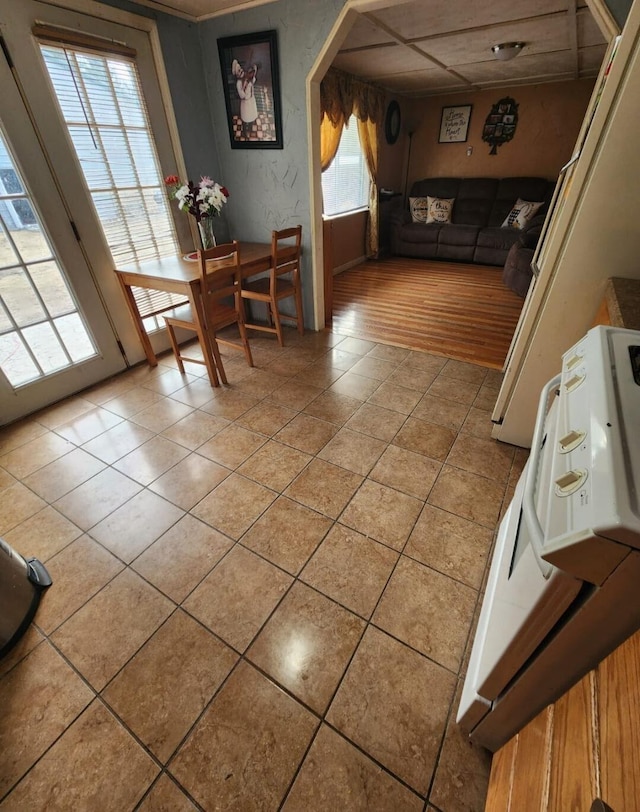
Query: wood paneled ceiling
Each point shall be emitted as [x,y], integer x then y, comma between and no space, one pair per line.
[427,47]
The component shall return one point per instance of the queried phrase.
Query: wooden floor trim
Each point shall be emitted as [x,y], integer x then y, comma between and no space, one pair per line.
[459,310]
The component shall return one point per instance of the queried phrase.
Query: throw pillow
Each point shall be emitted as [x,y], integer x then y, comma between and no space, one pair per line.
[521,213]
[419,208]
[439,209]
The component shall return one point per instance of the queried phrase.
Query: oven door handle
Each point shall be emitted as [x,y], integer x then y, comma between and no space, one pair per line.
[528,499]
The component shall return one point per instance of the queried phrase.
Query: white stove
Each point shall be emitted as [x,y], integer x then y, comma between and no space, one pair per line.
[563,586]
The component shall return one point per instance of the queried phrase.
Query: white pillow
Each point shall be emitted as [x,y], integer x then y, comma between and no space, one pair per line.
[419,208]
[439,209]
[521,213]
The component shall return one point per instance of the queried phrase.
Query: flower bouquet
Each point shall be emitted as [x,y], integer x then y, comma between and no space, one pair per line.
[203,200]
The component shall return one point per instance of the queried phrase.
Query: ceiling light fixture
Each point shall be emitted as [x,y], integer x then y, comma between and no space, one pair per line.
[507,50]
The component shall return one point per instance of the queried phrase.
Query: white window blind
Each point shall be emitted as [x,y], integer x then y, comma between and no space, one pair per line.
[345,184]
[101,101]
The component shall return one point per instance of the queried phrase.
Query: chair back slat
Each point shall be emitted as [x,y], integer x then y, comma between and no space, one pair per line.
[285,257]
[220,270]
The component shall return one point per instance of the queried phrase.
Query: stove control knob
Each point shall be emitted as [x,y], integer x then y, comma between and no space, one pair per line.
[571,440]
[570,482]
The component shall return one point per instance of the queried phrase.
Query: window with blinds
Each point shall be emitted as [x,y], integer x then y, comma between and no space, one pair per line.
[102,105]
[345,184]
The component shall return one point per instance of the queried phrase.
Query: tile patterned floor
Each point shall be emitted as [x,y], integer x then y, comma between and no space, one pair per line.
[264,594]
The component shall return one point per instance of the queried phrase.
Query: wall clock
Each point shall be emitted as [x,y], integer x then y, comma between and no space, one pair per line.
[392,122]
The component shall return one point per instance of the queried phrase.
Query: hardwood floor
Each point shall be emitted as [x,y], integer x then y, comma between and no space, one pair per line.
[454,309]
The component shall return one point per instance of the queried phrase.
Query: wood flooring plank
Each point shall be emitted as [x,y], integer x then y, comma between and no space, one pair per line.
[529,786]
[499,791]
[455,309]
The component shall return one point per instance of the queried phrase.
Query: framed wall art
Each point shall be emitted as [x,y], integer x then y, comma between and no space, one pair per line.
[249,66]
[454,124]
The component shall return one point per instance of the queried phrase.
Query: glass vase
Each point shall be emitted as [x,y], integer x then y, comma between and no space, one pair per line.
[207,237]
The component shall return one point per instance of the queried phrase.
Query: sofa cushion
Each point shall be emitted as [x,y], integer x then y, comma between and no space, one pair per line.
[510,189]
[521,213]
[439,209]
[436,187]
[473,202]
[458,235]
[420,232]
[501,238]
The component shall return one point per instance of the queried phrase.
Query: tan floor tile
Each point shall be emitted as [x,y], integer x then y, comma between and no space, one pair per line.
[132,401]
[6,479]
[30,639]
[287,534]
[464,371]
[151,460]
[159,416]
[486,398]
[161,692]
[428,611]
[197,392]
[340,359]
[352,450]
[398,398]
[494,379]
[246,748]
[266,418]
[356,345]
[287,363]
[236,598]
[274,465]
[440,411]
[337,776]
[18,434]
[351,569]
[88,425]
[42,535]
[96,745]
[259,383]
[307,433]
[463,392]
[78,572]
[101,636]
[40,697]
[405,471]
[487,458]
[519,461]
[229,403]
[234,505]
[90,502]
[306,645]
[462,774]
[165,796]
[376,421]
[180,559]
[190,480]
[322,373]
[195,429]
[324,487]
[63,412]
[109,389]
[425,361]
[333,407]
[232,446]
[376,368]
[295,394]
[168,382]
[468,495]
[425,438]
[17,504]
[63,475]
[451,545]
[412,378]
[118,441]
[130,529]
[478,423]
[34,454]
[397,713]
[355,386]
[388,353]
[382,513]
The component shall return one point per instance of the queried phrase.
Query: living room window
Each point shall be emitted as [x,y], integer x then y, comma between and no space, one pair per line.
[345,184]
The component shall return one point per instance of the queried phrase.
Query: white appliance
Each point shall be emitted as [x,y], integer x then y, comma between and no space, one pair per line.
[564,585]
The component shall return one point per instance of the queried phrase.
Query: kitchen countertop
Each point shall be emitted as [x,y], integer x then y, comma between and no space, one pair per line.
[623,302]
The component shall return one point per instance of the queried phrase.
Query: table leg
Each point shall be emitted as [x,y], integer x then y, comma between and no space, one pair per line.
[203,337]
[135,315]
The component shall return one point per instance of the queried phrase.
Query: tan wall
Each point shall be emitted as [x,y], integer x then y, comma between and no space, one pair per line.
[549,119]
[347,234]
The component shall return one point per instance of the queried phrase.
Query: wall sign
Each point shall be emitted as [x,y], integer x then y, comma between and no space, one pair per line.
[454,124]
[500,125]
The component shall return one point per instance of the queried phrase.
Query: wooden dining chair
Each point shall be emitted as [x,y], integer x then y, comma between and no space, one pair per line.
[282,282]
[222,306]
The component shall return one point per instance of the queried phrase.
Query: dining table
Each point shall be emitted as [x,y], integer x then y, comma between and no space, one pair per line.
[181,275]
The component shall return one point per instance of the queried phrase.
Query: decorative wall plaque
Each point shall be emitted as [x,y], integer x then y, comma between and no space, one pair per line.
[501,122]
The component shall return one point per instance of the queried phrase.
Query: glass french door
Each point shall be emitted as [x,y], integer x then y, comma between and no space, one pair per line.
[55,334]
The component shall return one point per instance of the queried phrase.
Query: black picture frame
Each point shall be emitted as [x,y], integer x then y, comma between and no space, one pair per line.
[454,124]
[392,122]
[251,84]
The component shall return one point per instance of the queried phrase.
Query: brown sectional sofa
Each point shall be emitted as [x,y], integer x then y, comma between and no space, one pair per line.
[475,233]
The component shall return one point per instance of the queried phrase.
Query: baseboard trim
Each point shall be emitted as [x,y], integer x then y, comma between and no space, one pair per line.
[352,263]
